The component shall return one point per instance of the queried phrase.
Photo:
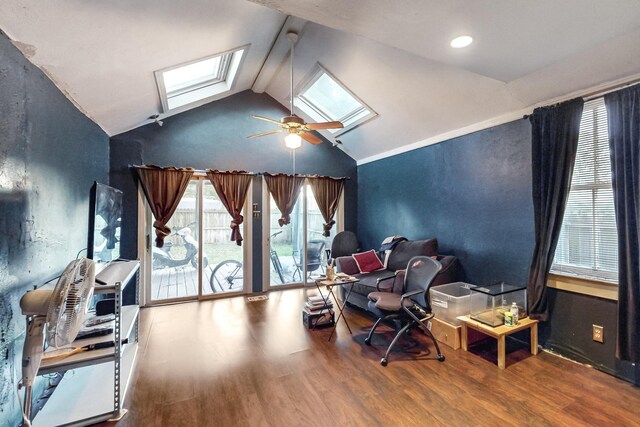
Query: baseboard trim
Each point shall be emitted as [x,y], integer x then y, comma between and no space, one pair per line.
[581,358]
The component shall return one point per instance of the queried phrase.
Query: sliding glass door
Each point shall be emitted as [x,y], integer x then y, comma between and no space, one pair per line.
[317,244]
[198,260]
[225,273]
[297,251]
[174,267]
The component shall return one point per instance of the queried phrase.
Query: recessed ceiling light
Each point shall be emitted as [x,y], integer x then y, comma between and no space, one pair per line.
[462,41]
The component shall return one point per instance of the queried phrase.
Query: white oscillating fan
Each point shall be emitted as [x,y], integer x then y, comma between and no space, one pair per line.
[60,312]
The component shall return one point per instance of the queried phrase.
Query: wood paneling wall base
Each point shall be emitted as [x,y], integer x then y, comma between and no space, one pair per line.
[584,286]
[230,363]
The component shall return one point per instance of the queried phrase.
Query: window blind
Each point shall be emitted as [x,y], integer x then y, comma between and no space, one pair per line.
[588,245]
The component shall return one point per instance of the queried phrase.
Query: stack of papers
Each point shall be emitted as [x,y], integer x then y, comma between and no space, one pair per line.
[316,305]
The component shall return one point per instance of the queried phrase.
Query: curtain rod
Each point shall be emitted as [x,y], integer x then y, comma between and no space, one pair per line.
[599,92]
[609,89]
[202,172]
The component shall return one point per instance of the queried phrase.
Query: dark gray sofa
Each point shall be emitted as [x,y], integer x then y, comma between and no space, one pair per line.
[398,259]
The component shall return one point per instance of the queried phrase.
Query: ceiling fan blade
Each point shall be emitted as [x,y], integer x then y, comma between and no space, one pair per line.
[267,119]
[325,125]
[309,137]
[266,133]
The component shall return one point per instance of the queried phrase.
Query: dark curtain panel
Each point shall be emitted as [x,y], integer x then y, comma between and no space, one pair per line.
[285,190]
[554,143]
[327,192]
[232,189]
[163,188]
[623,112]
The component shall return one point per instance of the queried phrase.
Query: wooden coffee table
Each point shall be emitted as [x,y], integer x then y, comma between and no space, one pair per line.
[500,333]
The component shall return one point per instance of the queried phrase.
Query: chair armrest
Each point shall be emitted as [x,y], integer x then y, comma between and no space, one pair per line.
[386,288]
[347,265]
[409,295]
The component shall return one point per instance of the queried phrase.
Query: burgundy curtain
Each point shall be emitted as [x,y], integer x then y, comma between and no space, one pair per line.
[623,112]
[327,192]
[554,144]
[285,190]
[163,188]
[232,189]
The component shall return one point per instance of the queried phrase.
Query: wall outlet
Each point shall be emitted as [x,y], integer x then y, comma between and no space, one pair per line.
[598,333]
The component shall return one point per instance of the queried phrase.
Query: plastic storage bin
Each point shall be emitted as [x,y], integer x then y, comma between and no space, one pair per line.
[495,300]
[452,300]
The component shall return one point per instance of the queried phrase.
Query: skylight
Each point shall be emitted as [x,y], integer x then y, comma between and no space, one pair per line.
[198,81]
[323,98]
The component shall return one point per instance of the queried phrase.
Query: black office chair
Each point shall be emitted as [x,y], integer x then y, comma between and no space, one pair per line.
[314,258]
[412,306]
[345,243]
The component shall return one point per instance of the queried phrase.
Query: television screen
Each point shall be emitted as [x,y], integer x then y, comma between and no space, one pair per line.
[105,223]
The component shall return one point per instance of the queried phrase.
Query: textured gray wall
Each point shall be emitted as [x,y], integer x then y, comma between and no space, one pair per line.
[214,136]
[50,154]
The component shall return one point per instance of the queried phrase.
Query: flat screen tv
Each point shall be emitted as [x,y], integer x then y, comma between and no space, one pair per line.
[105,219]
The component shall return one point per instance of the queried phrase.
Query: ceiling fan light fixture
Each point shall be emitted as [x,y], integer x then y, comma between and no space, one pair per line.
[462,41]
[293,141]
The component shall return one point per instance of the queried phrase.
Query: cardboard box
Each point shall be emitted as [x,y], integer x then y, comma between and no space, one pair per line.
[451,335]
[445,333]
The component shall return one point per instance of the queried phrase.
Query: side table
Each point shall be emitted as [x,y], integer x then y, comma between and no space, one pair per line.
[329,284]
[500,333]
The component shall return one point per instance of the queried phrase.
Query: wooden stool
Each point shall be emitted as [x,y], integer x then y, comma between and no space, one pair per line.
[500,333]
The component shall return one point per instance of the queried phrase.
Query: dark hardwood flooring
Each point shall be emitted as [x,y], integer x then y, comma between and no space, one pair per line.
[234,363]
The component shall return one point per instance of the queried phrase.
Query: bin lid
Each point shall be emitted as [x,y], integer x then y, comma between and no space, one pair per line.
[455,289]
[498,288]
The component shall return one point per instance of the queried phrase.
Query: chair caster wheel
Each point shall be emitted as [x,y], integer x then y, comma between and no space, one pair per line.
[441,358]
[367,341]
[384,362]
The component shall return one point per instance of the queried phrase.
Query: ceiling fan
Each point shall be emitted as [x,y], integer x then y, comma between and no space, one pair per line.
[296,128]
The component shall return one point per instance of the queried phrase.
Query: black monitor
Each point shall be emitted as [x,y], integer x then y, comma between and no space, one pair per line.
[105,220]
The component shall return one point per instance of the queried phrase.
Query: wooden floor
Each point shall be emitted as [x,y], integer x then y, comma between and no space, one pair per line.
[234,363]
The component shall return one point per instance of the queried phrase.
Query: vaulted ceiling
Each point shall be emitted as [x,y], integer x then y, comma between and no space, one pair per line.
[394,55]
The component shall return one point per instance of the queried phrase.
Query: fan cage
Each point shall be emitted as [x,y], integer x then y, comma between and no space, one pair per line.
[70,302]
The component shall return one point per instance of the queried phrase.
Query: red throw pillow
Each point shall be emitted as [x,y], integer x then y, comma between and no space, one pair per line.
[368,261]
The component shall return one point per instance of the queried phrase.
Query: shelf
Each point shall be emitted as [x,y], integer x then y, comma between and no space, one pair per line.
[129,316]
[87,393]
[116,271]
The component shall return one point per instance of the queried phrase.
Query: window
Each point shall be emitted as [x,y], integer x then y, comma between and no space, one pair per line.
[199,80]
[323,98]
[588,245]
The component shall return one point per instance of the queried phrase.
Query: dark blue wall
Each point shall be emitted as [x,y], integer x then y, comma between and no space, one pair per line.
[214,136]
[472,193]
[50,154]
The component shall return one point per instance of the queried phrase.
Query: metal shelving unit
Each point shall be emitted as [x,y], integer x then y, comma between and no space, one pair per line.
[95,383]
